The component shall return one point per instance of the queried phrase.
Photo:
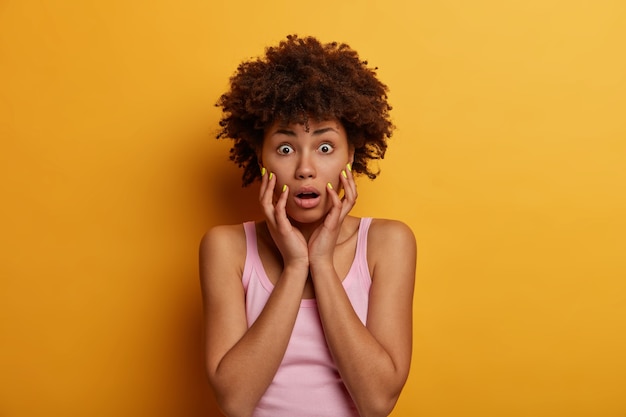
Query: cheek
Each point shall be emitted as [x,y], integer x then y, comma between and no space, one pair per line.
[334,172]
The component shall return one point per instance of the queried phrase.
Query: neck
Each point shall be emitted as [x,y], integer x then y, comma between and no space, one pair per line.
[307,229]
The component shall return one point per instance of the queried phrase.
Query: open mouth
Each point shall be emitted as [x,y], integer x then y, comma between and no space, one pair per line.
[307,196]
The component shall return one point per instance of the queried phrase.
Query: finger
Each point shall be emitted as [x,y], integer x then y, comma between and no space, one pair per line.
[349,195]
[263,190]
[267,198]
[280,210]
[334,214]
[264,181]
[349,185]
[334,196]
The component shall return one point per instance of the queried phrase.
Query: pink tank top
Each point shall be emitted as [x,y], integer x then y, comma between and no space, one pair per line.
[307,383]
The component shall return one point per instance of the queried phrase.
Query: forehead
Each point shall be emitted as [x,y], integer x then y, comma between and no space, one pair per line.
[310,126]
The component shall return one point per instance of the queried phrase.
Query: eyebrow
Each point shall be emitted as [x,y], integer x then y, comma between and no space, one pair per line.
[316,132]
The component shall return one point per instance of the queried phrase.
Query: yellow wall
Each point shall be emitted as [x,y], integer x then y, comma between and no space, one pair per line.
[508,163]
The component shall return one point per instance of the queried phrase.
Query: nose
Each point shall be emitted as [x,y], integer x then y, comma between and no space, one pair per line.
[306,167]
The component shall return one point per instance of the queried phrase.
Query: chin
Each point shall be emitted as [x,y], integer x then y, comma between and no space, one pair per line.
[306,216]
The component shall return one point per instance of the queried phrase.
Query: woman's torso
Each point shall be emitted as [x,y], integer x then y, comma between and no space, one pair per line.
[307,383]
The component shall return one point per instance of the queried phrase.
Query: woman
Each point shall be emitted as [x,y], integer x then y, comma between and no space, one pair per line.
[309,311]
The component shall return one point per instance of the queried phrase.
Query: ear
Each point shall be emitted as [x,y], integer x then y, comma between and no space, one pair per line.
[259,158]
[351,155]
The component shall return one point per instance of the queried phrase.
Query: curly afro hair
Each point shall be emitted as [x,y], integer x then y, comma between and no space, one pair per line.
[303,79]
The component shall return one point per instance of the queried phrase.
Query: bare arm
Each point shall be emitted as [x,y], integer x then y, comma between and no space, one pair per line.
[373,360]
[242,362]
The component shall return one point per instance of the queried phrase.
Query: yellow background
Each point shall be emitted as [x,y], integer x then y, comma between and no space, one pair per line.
[508,163]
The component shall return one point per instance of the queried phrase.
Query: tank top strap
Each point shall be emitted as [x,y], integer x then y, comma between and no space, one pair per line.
[252,252]
[361,248]
[361,254]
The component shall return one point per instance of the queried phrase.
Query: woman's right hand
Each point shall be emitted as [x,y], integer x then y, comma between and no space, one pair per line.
[289,240]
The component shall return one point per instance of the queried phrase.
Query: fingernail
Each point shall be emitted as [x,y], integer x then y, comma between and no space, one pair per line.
[344,174]
[271,175]
[263,171]
[330,186]
[349,167]
[284,188]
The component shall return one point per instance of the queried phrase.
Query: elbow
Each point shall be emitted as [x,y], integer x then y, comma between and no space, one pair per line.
[380,403]
[232,403]
[231,406]
[381,406]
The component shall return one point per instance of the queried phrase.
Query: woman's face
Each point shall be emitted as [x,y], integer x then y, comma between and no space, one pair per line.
[306,161]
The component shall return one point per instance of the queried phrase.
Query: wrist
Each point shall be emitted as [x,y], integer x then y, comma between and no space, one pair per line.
[296,267]
[321,266]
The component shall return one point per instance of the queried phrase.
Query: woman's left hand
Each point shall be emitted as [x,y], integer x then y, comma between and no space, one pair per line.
[324,239]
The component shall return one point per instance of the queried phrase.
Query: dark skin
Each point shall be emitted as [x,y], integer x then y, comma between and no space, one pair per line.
[306,248]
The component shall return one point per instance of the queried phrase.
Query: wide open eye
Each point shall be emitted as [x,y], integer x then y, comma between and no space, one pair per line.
[325,148]
[284,149]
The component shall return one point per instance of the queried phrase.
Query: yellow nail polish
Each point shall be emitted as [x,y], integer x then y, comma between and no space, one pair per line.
[349,167]
[263,171]
[344,174]
[284,188]
[330,186]
[271,175]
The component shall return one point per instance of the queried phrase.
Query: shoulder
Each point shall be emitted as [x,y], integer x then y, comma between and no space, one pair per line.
[232,234]
[223,246]
[223,236]
[390,232]
[391,244]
